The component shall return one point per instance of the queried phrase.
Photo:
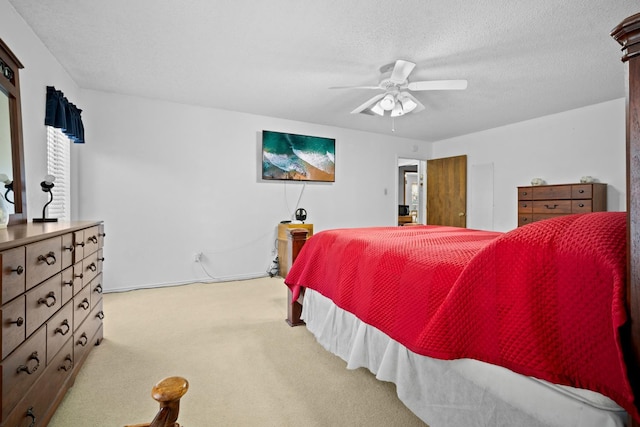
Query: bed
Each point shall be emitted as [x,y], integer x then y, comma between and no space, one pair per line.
[534,327]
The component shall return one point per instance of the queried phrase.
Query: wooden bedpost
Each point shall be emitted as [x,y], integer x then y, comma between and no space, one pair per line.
[628,35]
[295,241]
[168,393]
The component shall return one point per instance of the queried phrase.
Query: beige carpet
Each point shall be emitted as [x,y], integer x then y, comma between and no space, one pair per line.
[244,364]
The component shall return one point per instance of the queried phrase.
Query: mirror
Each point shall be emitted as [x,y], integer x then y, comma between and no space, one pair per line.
[11,154]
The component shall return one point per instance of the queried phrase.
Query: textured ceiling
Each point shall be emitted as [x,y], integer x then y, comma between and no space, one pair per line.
[522,59]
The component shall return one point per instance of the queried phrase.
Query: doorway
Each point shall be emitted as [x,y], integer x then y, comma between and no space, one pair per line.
[411,197]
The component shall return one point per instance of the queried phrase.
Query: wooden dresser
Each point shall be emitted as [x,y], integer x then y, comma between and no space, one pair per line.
[540,202]
[51,306]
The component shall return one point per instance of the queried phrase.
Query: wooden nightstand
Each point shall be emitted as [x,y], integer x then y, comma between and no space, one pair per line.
[283,261]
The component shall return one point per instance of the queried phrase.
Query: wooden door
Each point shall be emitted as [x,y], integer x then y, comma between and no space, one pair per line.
[447,191]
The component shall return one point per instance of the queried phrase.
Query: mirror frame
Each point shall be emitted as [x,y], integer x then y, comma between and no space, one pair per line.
[11,85]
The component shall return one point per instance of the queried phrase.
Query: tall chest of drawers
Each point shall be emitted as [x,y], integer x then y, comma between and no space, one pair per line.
[540,202]
[51,308]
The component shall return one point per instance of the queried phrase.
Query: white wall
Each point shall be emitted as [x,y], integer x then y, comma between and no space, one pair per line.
[559,148]
[170,180]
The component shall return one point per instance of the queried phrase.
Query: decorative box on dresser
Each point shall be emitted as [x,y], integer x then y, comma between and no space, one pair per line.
[540,202]
[51,311]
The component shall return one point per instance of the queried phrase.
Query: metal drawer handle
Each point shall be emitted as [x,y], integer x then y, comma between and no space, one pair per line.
[83,340]
[101,259]
[66,367]
[69,248]
[59,330]
[581,205]
[102,234]
[68,283]
[25,368]
[580,191]
[31,415]
[550,207]
[524,193]
[19,270]
[98,288]
[93,239]
[49,258]
[80,244]
[18,322]
[45,300]
[84,304]
[100,315]
[92,266]
[79,276]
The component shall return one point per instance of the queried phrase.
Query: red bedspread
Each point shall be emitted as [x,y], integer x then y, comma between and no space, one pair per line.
[545,300]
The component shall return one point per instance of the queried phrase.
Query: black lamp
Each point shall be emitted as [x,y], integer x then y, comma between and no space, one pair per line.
[47,185]
[8,184]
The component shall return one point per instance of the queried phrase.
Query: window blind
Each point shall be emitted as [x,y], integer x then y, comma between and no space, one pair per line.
[59,165]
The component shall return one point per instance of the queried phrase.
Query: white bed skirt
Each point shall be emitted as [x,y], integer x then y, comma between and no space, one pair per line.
[454,393]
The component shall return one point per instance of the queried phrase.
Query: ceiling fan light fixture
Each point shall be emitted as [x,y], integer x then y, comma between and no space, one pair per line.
[397,110]
[388,102]
[408,105]
[377,109]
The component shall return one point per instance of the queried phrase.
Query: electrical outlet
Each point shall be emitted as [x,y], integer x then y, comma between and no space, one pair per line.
[198,257]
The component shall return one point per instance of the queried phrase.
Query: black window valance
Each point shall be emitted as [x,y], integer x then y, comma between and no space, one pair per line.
[62,114]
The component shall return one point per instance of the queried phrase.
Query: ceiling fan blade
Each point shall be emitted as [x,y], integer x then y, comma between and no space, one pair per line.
[401,71]
[354,87]
[368,103]
[438,85]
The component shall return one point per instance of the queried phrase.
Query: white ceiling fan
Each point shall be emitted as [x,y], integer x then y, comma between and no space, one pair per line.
[396,98]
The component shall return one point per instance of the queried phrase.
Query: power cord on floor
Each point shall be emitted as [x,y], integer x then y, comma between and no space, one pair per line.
[274,269]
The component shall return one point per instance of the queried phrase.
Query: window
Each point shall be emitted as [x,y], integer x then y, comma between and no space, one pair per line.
[59,165]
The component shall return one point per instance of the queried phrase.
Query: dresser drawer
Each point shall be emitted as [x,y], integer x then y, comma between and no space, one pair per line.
[525,219]
[91,240]
[43,260]
[13,325]
[78,244]
[59,330]
[42,302]
[81,306]
[36,403]
[551,206]
[581,206]
[582,191]
[78,277]
[90,269]
[540,217]
[96,290]
[85,337]
[67,285]
[13,275]
[68,248]
[550,192]
[22,368]
[525,206]
[525,193]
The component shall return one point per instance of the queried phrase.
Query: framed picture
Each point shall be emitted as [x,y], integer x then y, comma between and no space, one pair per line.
[292,157]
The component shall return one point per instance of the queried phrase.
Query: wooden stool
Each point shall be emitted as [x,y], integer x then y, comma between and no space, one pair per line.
[168,393]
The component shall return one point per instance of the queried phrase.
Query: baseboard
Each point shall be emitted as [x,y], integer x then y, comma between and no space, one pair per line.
[202,280]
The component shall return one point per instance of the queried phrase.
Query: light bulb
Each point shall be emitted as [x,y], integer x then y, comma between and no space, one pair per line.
[387,103]
[48,179]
